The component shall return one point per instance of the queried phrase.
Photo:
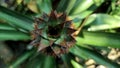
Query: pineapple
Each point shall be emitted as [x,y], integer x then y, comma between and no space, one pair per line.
[53,34]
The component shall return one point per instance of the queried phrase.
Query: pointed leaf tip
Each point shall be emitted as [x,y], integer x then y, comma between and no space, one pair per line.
[70,31]
[62,17]
[53,16]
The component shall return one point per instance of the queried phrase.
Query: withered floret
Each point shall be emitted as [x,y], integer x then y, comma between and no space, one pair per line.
[53,34]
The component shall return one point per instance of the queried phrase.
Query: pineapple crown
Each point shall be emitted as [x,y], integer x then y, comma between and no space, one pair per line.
[53,34]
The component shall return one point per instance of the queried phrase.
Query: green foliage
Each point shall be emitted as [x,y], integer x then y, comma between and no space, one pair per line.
[4,26]
[102,22]
[88,53]
[105,39]
[13,35]
[21,59]
[16,19]
[44,6]
[99,28]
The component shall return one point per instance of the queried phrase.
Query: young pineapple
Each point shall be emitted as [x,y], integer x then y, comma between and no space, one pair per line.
[53,34]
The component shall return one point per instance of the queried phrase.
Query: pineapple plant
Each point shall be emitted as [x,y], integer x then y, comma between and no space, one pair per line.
[59,33]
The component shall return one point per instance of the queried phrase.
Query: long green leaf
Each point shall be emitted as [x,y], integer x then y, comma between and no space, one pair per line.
[82,5]
[100,39]
[88,53]
[13,35]
[70,6]
[44,6]
[5,26]
[21,59]
[49,62]
[62,6]
[75,64]
[36,61]
[102,22]
[83,8]
[15,18]
[67,60]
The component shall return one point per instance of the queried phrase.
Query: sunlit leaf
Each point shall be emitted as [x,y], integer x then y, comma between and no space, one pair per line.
[100,39]
[70,6]
[82,5]
[83,8]
[102,22]
[19,1]
[75,64]
[32,6]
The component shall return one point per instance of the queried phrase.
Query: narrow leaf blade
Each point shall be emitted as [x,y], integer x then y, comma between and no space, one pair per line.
[103,39]
[93,55]
[13,35]
[17,19]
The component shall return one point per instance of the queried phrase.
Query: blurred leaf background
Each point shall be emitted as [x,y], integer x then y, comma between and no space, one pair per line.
[98,39]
